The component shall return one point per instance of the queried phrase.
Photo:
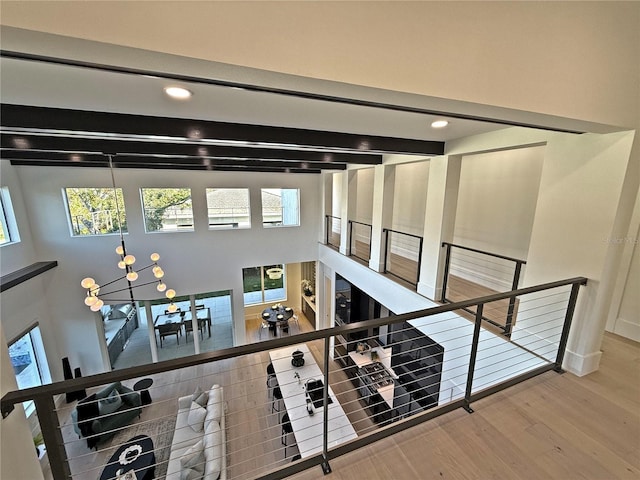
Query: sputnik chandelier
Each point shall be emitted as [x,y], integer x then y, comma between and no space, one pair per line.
[93,299]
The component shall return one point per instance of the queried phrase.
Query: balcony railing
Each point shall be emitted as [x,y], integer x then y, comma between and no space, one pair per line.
[332,229]
[402,255]
[441,360]
[360,240]
[487,272]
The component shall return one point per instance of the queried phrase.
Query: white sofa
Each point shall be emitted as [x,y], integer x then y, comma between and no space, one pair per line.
[198,449]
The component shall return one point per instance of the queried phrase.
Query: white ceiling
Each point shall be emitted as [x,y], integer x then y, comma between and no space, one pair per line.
[29,82]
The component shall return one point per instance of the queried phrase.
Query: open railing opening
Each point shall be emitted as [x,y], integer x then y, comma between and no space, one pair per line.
[360,240]
[469,273]
[402,255]
[332,229]
[274,408]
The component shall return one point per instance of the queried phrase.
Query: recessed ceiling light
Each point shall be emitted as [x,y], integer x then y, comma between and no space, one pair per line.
[439,124]
[178,93]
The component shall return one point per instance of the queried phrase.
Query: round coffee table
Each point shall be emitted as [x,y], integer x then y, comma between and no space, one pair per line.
[137,455]
[142,386]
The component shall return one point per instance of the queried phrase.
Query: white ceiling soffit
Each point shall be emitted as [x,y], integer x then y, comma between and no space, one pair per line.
[28,82]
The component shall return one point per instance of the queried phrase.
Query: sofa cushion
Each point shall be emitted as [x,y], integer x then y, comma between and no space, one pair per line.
[196,417]
[192,462]
[200,397]
[110,404]
[215,407]
[106,391]
[213,451]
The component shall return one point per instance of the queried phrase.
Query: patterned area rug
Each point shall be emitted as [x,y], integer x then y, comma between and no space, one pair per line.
[160,431]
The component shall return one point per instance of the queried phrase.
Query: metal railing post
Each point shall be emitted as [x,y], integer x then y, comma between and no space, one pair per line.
[472,358]
[419,260]
[445,278]
[564,337]
[386,248]
[326,229]
[52,436]
[326,468]
[512,300]
[350,234]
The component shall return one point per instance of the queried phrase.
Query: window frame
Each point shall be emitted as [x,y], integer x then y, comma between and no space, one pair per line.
[8,219]
[34,335]
[177,229]
[271,224]
[231,225]
[119,194]
[263,299]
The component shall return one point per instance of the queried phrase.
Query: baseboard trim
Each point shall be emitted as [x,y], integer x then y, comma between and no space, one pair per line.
[581,365]
[627,329]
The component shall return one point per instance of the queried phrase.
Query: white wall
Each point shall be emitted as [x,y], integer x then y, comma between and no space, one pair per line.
[364,203]
[199,261]
[497,199]
[410,197]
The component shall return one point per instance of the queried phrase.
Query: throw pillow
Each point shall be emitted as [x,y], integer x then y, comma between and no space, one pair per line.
[192,462]
[196,417]
[200,397]
[110,404]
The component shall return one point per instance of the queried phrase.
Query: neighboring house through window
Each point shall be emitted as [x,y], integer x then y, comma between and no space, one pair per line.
[280,207]
[228,208]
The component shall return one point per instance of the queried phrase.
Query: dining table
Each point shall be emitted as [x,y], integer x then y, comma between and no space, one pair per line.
[308,428]
[276,313]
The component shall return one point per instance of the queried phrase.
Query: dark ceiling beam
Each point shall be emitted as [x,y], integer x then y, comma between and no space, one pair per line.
[115,146]
[222,168]
[40,158]
[31,117]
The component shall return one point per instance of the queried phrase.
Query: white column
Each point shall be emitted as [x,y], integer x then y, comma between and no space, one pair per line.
[383,192]
[582,205]
[439,221]
[348,207]
[194,325]
[151,330]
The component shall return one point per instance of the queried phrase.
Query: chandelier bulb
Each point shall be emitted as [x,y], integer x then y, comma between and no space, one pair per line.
[158,273]
[122,265]
[97,306]
[87,282]
[161,287]
[170,293]
[129,260]
[132,276]
[172,308]
[155,257]
[90,300]
[120,250]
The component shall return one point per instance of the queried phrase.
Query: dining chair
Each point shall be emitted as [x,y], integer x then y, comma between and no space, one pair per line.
[283,326]
[188,327]
[272,380]
[286,430]
[168,329]
[277,397]
[264,325]
[294,319]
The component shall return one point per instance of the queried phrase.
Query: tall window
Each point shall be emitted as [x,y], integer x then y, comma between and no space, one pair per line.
[92,211]
[29,362]
[167,209]
[228,208]
[264,284]
[280,207]
[8,228]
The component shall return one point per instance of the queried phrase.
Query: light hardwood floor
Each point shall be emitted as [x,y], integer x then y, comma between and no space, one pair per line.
[550,427]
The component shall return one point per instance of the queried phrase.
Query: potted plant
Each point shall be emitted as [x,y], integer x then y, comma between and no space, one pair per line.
[306,288]
[38,441]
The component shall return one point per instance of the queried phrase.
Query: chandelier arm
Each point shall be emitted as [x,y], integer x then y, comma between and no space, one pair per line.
[126,289]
